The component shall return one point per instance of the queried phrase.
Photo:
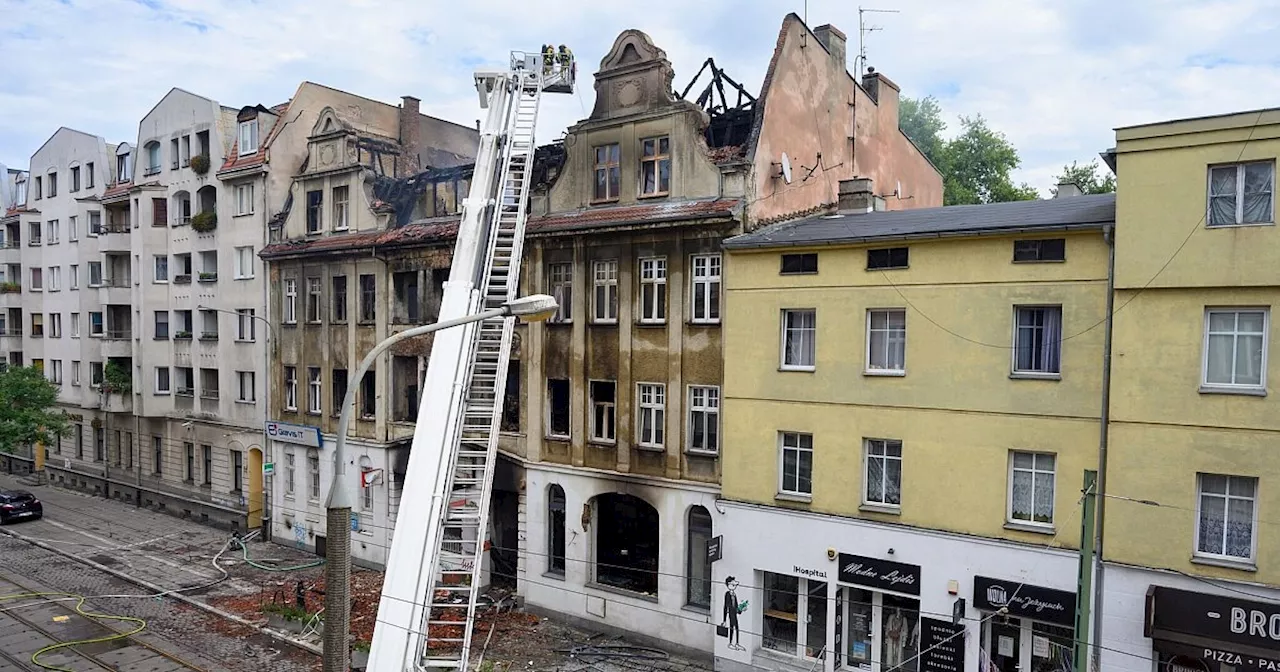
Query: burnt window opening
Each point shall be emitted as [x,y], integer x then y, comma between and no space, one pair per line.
[369,395]
[698,563]
[438,278]
[603,409]
[315,210]
[404,371]
[555,530]
[1048,249]
[889,257]
[626,530]
[368,298]
[408,306]
[511,399]
[339,390]
[799,263]
[558,408]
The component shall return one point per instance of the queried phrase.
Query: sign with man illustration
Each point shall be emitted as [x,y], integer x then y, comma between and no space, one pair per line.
[728,627]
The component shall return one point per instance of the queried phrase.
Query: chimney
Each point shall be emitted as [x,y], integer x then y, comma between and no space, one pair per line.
[856,196]
[835,42]
[410,136]
[1067,189]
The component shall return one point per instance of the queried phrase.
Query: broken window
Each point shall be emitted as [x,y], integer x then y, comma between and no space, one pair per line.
[404,372]
[655,166]
[369,395]
[408,307]
[555,530]
[315,210]
[339,390]
[368,297]
[511,399]
[339,294]
[607,177]
[603,410]
[558,408]
[698,563]
[560,277]
[438,277]
[626,529]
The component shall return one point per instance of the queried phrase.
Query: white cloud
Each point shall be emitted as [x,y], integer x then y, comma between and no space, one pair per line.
[1054,77]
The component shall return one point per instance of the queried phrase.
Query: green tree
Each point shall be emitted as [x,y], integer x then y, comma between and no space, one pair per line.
[27,416]
[975,165]
[1086,177]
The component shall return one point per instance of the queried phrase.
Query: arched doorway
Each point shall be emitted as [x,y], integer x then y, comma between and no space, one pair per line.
[626,543]
[255,489]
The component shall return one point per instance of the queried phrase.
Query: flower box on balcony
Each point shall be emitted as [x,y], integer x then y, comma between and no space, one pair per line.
[204,222]
[182,335]
[10,288]
[208,335]
[206,276]
[182,279]
[200,164]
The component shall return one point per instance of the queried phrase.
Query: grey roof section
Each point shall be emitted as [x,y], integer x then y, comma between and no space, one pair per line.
[1071,212]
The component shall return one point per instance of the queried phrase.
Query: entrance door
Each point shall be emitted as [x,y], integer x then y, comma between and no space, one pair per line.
[1005,644]
[255,489]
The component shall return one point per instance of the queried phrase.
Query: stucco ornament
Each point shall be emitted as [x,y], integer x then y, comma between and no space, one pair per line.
[635,76]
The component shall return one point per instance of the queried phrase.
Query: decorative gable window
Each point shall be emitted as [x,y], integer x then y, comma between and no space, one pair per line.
[655,166]
[248,137]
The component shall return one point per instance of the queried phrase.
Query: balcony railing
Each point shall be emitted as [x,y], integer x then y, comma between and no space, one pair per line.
[118,334]
[10,244]
[208,335]
[208,276]
[180,220]
[185,391]
[208,394]
[182,335]
[11,331]
[114,228]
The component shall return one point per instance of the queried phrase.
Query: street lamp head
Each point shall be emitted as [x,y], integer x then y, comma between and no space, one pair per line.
[533,308]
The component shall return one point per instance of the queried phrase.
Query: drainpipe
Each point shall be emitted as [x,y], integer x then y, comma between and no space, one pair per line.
[1104,426]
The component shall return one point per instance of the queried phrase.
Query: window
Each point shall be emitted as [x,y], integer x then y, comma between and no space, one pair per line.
[340,199]
[1048,249]
[655,166]
[1031,488]
[796,474]
[95,323]
[153,158]
[315,210]
[697,562]
[162,324]
[163,382]
[52,232]
[237,471]
[653,290]
[160,213]
[1243,193]
[369,395]
[652,403]
[290,464]
[37,235]
[186,151]
[408,302]
[75,276]
[245,327]
[73,234]
[161,263]
[339,390]
[244,262]
[88,175]
[313,300]
[290,388]
[1235,349]
[186,383]
[366,489]
[37,324]
[555,530]
[245,384]
[95,374]
[209,384]
[560,277]
[53,184]
[39,188]
[37,279]
[99,444]
[55,278]
[892,257]
[75,325]
[558,408]
[55,325]
[883,476]
[75,372]
[206,455]
[1227,516]
[189,450]
[605,300]
[795,264]
[55,371]
[157,455]
[339,294]
[290,301]
[313,389]
[706,288]
[368,298]
[248,137]
[173,154]
[607,176]
[603,410]
[244,199]
[704,419]
[95,273]
[1037,341]
[886,340]
[799,328]
[75,178]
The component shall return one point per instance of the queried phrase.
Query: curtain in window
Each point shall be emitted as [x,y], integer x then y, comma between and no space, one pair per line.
[1257,193]
[800,332]
[1226,523]
[1051,340]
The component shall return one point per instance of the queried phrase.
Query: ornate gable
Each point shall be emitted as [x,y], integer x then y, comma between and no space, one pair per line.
[634,77]
[332,144]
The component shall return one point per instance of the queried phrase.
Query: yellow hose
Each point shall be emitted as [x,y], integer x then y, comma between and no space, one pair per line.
[80,600]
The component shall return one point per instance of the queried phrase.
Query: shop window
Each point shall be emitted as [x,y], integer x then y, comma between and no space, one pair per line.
[697,564]
[900,623]
[893,641]
[626,543]
[788,602]
[555,530]
[1019,644]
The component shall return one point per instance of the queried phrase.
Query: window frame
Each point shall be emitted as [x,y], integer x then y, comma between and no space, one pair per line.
[695,555]
[244,271]
[247,145]
[657,410]
[868,368]
[611,167]
[1253,529]
[1235,388]
[158,277]
[705,409]
[1013,354]
[315,303]
[800,258]
[1240,167]
[341,207]
[244,199]
[556,546]
[1008,515]
[245,318]
[653,290]
[782,341]
[560,284]
[657,159]
[884,457]
[290,376]
[252,380]
[594,435]
[890,261]
[799,448]
[167,388]
[706,286]
[315,390]
[549,411]
[289,307]
[338,299]
[609,285]
[1039,245]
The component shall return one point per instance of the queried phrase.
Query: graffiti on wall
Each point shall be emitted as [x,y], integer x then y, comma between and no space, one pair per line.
[733,607]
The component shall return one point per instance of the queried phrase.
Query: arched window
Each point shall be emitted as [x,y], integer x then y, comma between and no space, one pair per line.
[153,157]
[697,564]
[626,543]
[555,530]
[313,474]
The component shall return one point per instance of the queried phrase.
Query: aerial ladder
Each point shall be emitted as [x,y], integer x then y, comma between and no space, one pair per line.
[427,609]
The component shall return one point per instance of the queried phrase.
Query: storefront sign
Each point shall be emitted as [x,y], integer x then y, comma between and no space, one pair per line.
[299,434]
[1172,612]
[715,548]
[1024,599]
[941,646]
[880,574]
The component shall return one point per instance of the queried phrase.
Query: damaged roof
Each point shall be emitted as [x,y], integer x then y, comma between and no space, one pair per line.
[438,230]
[630,215]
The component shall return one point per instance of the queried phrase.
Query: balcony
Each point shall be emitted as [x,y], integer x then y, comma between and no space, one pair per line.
[115,291]
[182,279]
[117,343]
[208,276]
[114,402]
[114,238]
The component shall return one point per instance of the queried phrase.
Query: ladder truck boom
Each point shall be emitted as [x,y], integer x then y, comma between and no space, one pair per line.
[428,605]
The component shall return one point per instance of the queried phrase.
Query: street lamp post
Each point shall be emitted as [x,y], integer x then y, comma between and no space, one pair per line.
[337,573]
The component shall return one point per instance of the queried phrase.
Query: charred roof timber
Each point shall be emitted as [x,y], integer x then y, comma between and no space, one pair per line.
[730,125]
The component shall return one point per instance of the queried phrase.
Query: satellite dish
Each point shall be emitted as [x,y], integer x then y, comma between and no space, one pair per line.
[786,168]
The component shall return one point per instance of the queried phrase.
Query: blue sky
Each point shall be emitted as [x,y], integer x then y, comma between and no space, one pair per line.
[1055,77]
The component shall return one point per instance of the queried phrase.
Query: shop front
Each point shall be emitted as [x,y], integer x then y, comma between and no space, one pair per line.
[1203,632]
[1023,626]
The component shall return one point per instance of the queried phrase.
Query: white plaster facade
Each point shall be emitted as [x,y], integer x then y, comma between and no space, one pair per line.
[812,549]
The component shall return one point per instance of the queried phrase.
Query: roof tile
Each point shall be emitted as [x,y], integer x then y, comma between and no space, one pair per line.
[634,214]
[438,230]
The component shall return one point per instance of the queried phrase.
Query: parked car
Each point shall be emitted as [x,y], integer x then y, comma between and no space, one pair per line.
[19,505]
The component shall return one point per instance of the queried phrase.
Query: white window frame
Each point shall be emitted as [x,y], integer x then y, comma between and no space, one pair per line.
[1239,195]
[560,282]
[785,445]
[75,325]
[291,388]
[596,435]
[315,305]
[651,402]
[341,208]
[1253,530]
[55,278]
[313,474]
[290,307]
[707,273]
[1008,516]
[783,332]
[55,325]
[74,274]
[55,371]
[246,380]
[1204,355]
[1013,354]
[159,270]
[871,368]
[290,473]
[653,290]
[52,235]
[246,330]
[244,264]
[885,458]
[167,380]
[604,274]
[315,390]
[244,199]
[248,135]
[704,409]
[75,373]
[72,234]
[102,323]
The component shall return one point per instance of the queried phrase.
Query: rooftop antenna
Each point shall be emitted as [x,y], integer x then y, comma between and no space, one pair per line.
[863,29]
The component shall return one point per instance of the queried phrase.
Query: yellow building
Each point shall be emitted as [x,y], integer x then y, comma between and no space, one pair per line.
[1194,433]
[911,400]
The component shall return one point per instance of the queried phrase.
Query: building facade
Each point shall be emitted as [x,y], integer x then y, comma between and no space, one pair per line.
[618,470]
[1189,509]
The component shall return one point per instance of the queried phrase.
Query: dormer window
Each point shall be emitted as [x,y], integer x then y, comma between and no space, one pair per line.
[248,137]
[123,168]
[153,158]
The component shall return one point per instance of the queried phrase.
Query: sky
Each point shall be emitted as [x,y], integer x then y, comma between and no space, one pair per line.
[1055,77]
